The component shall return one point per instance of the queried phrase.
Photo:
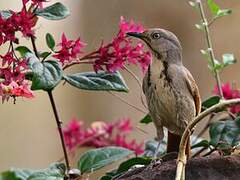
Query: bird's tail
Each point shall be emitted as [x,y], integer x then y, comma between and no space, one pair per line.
[174,142]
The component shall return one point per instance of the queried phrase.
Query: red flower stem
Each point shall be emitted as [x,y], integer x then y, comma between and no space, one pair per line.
[59,125]
[34,46]
[24,6]
[87,56]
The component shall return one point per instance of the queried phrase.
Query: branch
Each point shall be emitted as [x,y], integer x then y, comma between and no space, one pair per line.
[126,102]
[34,46]
[139,84]
[59,125]
[210,47]
[180,173]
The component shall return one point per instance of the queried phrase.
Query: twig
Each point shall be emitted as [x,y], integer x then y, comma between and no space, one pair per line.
[210,47]
[59,125]
[34,46]
[139,84]
[126,102]
[180,173]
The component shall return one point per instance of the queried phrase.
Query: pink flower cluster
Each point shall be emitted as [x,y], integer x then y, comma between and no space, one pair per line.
[229,93]
[13,83]
[118,53]
[101,134]
[22,21]
[69,50]
[122,50]
[35,2]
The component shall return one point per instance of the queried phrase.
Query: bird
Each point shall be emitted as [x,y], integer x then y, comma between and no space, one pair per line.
[172,95]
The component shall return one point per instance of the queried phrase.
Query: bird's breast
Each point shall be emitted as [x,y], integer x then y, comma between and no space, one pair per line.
[159,91]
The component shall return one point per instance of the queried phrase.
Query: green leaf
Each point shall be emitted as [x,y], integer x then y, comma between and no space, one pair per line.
[54,172]
[44,55]
[50,41]
[228,59]
[202,143]
[126,165]
[225,134]
[56,11]
[213,7]
[224,12]
[106,177]
[46,75]
[23,50]
[16,174]
[98,158]
[101,81]
[199,26]
[210,102]
[5,14]
[191,3]
[146,120]
[217,65]
[204,52]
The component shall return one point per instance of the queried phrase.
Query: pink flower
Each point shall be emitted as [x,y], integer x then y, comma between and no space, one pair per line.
[73,133]
[22,21]
[125,125]
[120,140]
[15,90]
[226,89]
[22,90]
[131,26]
[35,2]
[121,51]
[13,82]
[69,50]
[229,93]
[100,134]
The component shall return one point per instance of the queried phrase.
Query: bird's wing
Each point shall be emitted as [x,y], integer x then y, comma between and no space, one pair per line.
[193,88]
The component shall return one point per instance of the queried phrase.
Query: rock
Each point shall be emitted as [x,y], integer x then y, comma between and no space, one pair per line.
[200,168]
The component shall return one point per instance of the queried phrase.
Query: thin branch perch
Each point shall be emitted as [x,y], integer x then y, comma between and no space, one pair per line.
[205,23]
[180,173]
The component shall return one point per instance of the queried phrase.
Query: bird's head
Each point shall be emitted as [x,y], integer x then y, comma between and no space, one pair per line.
[158,40]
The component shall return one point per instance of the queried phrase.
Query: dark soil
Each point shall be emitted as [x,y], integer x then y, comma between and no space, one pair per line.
[201,168]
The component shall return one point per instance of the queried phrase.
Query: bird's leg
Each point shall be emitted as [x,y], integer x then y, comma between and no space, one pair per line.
[173,142]
[155,161]
[157,149]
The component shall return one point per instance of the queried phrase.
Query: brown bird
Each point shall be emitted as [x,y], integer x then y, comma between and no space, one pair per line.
[171,92]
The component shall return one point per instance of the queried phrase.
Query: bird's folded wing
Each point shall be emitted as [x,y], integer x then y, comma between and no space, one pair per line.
[193,88]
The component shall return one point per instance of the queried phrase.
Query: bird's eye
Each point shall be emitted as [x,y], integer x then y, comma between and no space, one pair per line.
[155,35]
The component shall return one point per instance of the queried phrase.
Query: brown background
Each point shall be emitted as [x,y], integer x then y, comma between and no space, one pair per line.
[28,135]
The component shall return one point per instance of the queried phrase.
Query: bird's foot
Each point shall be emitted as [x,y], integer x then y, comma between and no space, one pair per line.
[154,163]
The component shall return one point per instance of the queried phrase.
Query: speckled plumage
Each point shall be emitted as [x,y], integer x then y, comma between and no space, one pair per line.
[172,95]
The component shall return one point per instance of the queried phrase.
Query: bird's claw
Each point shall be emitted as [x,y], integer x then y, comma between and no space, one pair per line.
[154,163]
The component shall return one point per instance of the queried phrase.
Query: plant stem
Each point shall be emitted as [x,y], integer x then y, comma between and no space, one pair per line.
[34,46]
[180,173]
[59,125]
[210,47]
[139,84]
[126,102]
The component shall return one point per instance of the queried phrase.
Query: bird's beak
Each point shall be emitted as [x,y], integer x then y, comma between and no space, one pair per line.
[136,34]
